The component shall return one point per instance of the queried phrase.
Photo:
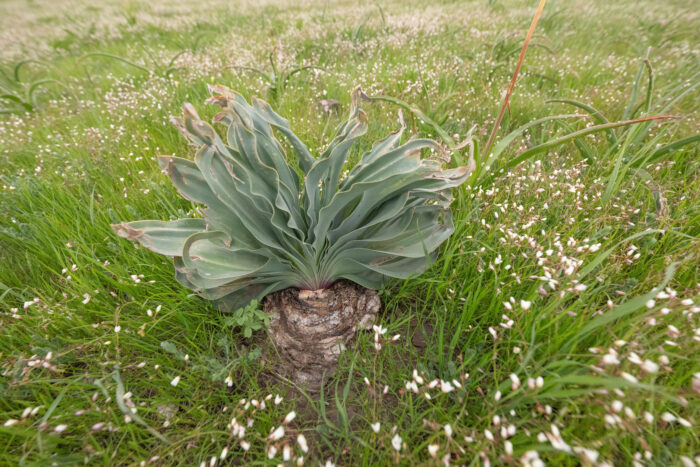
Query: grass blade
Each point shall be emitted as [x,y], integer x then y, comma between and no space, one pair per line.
[671,147]
[596,114]
[622,310]
[577,134]
[583,272]
[118,58]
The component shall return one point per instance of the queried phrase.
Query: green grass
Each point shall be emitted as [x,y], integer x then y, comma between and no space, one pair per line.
[608,225]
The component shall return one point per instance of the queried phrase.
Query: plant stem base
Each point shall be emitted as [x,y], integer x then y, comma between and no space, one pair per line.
[310,328]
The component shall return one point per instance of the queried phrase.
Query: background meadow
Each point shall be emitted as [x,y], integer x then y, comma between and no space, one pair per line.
[558,326]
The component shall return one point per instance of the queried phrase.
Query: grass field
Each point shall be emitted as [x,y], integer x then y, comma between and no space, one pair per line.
[560,324]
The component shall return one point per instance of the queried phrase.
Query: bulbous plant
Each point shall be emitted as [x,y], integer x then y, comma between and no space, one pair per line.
[317,246]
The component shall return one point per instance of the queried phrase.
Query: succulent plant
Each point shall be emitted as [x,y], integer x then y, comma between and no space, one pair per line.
[262,230]
[270,226]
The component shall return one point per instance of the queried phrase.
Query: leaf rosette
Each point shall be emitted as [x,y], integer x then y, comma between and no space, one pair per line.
[268,225]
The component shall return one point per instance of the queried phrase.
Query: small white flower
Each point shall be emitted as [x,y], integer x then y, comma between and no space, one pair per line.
[446,386]
[696,382]
[60,428]
[277,434]
[629,377]
[433,449]
[175,381]
[278,399]
[651,303]
[290,416]
[271,452]
[515,381]
[301,440]
[525,305]
[634,358]
[396,442]
[416,377]
[10,422]
[117,329]
[245,445]
[375,427]
[668,417]
[610,359]
[650,367]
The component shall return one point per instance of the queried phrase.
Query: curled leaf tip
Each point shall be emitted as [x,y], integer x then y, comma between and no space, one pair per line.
[124,230]
[358,95]
[190,111]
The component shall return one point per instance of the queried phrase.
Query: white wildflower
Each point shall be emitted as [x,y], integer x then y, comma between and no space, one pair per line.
[433,449]
[650,367]
[396,442]
[277,434]
[668,417]
[301,441]
[290,416]
[448,430]
[446,386]
[515,381]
